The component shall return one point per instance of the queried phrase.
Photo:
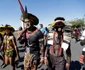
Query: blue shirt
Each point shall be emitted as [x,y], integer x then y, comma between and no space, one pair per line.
[43,30]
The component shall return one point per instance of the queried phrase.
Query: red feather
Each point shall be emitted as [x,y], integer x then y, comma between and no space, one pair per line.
[21,7]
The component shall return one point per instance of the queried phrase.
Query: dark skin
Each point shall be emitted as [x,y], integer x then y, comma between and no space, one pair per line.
[68,52]
[30,28]
[9,60]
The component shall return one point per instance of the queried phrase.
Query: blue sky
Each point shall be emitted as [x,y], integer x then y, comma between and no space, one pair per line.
[45,10]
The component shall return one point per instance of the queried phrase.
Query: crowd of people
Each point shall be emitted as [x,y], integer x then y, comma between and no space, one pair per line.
[38,50]
[40,47]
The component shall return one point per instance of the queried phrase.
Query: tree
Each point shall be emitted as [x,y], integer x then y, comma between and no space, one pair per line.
[78,23]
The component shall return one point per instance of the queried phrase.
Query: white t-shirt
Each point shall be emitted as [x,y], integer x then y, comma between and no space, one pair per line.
[83,33]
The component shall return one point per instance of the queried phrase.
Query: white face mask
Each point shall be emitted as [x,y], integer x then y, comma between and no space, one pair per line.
[59,29]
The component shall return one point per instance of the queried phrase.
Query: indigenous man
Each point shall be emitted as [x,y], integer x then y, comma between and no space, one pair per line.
[56,55]
[31,37]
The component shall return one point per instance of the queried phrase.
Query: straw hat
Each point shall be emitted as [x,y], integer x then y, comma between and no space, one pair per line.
[3,28]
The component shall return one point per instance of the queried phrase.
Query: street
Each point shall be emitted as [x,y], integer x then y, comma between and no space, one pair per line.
[76,50]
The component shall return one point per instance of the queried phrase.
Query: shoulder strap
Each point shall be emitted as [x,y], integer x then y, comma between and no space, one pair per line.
[54,38]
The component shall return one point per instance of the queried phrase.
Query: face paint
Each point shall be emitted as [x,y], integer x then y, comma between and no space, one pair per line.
[27,23]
